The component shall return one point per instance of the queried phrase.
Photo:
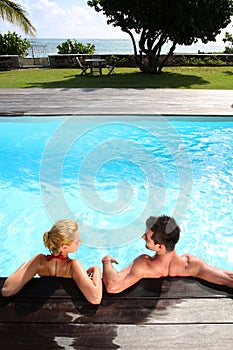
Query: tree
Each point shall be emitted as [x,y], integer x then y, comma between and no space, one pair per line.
[15,14]
[158,22]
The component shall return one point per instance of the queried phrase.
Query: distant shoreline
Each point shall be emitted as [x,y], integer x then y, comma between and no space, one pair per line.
[42,47]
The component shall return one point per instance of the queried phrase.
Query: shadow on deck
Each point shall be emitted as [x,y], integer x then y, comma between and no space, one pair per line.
[170,313]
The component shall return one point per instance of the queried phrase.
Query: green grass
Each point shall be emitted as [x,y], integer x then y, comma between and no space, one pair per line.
[172,77]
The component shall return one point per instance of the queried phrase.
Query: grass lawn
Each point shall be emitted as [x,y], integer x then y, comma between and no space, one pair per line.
[172,77]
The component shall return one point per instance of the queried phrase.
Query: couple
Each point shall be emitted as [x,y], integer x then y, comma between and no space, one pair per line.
[162,234]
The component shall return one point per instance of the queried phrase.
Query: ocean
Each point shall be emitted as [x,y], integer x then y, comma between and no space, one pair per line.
[45,47]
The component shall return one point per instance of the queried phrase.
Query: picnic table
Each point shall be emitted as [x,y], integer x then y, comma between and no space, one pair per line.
[96,64]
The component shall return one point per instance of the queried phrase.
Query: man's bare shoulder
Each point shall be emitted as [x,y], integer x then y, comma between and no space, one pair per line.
[143,259]
[144,265]
[192,264]
[190,258]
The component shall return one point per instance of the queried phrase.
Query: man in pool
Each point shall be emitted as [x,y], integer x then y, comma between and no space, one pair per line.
[161,236]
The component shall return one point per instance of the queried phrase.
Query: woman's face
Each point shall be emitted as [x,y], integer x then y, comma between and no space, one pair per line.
[73,247]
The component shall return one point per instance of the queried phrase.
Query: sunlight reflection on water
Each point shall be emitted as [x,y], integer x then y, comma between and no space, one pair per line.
[113,173]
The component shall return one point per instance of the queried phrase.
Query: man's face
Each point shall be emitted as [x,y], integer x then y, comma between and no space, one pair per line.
[149,241]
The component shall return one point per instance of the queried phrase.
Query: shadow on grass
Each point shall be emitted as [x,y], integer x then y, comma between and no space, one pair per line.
[228,73]
[125,80]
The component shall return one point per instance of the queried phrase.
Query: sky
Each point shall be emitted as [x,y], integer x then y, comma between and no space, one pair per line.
[69,19]
[65,19]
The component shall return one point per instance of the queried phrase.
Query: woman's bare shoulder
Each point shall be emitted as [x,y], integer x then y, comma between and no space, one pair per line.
[41,258]
[36,258]
[76,264]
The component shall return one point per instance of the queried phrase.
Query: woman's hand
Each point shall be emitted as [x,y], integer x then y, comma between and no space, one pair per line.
[91,270]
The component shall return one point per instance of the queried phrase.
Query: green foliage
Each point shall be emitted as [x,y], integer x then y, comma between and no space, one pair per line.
[204,61]
[164,21]
[124,61]
[13,44]
[69,47]
[229,40]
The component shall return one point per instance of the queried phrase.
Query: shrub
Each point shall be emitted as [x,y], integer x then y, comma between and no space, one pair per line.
[69,47]
[203,61]
[228,39]
[13,44]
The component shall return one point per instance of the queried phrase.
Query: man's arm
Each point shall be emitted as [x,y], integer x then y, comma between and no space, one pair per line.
[215,275]
[199,268]
[116,282]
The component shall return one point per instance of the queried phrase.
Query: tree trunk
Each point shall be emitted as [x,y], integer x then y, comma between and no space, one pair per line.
[150,67]
[150,63]
[170,53]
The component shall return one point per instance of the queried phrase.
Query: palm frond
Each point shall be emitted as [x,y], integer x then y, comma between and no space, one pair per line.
[15,14]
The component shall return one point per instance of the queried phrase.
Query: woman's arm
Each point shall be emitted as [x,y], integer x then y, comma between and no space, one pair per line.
[91,287]
[21,276]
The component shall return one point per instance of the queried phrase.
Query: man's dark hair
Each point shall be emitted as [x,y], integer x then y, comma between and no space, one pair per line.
[165,231]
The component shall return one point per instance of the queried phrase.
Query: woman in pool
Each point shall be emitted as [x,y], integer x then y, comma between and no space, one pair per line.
[62,239]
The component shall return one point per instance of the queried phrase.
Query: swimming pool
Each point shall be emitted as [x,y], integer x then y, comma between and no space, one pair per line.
[110,173]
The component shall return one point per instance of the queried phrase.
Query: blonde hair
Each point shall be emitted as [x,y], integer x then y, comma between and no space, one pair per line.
[61,233]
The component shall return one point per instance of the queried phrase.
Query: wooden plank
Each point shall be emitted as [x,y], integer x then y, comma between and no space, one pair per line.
[58,300]
[36,101]
[124,337]
[157,288]
[175,313]
[119,311]
[194,337]
[56,336]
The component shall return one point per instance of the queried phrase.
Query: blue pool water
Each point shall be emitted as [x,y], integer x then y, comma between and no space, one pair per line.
[110,174]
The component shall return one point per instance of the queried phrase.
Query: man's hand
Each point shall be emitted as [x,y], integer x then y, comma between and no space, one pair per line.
[109,258]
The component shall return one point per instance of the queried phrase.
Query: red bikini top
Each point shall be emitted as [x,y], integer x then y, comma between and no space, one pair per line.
[60,257]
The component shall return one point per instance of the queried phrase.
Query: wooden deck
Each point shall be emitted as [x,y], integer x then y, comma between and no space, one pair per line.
[93,101]
[171,313]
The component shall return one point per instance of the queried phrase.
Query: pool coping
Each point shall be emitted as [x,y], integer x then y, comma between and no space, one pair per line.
[111,101]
